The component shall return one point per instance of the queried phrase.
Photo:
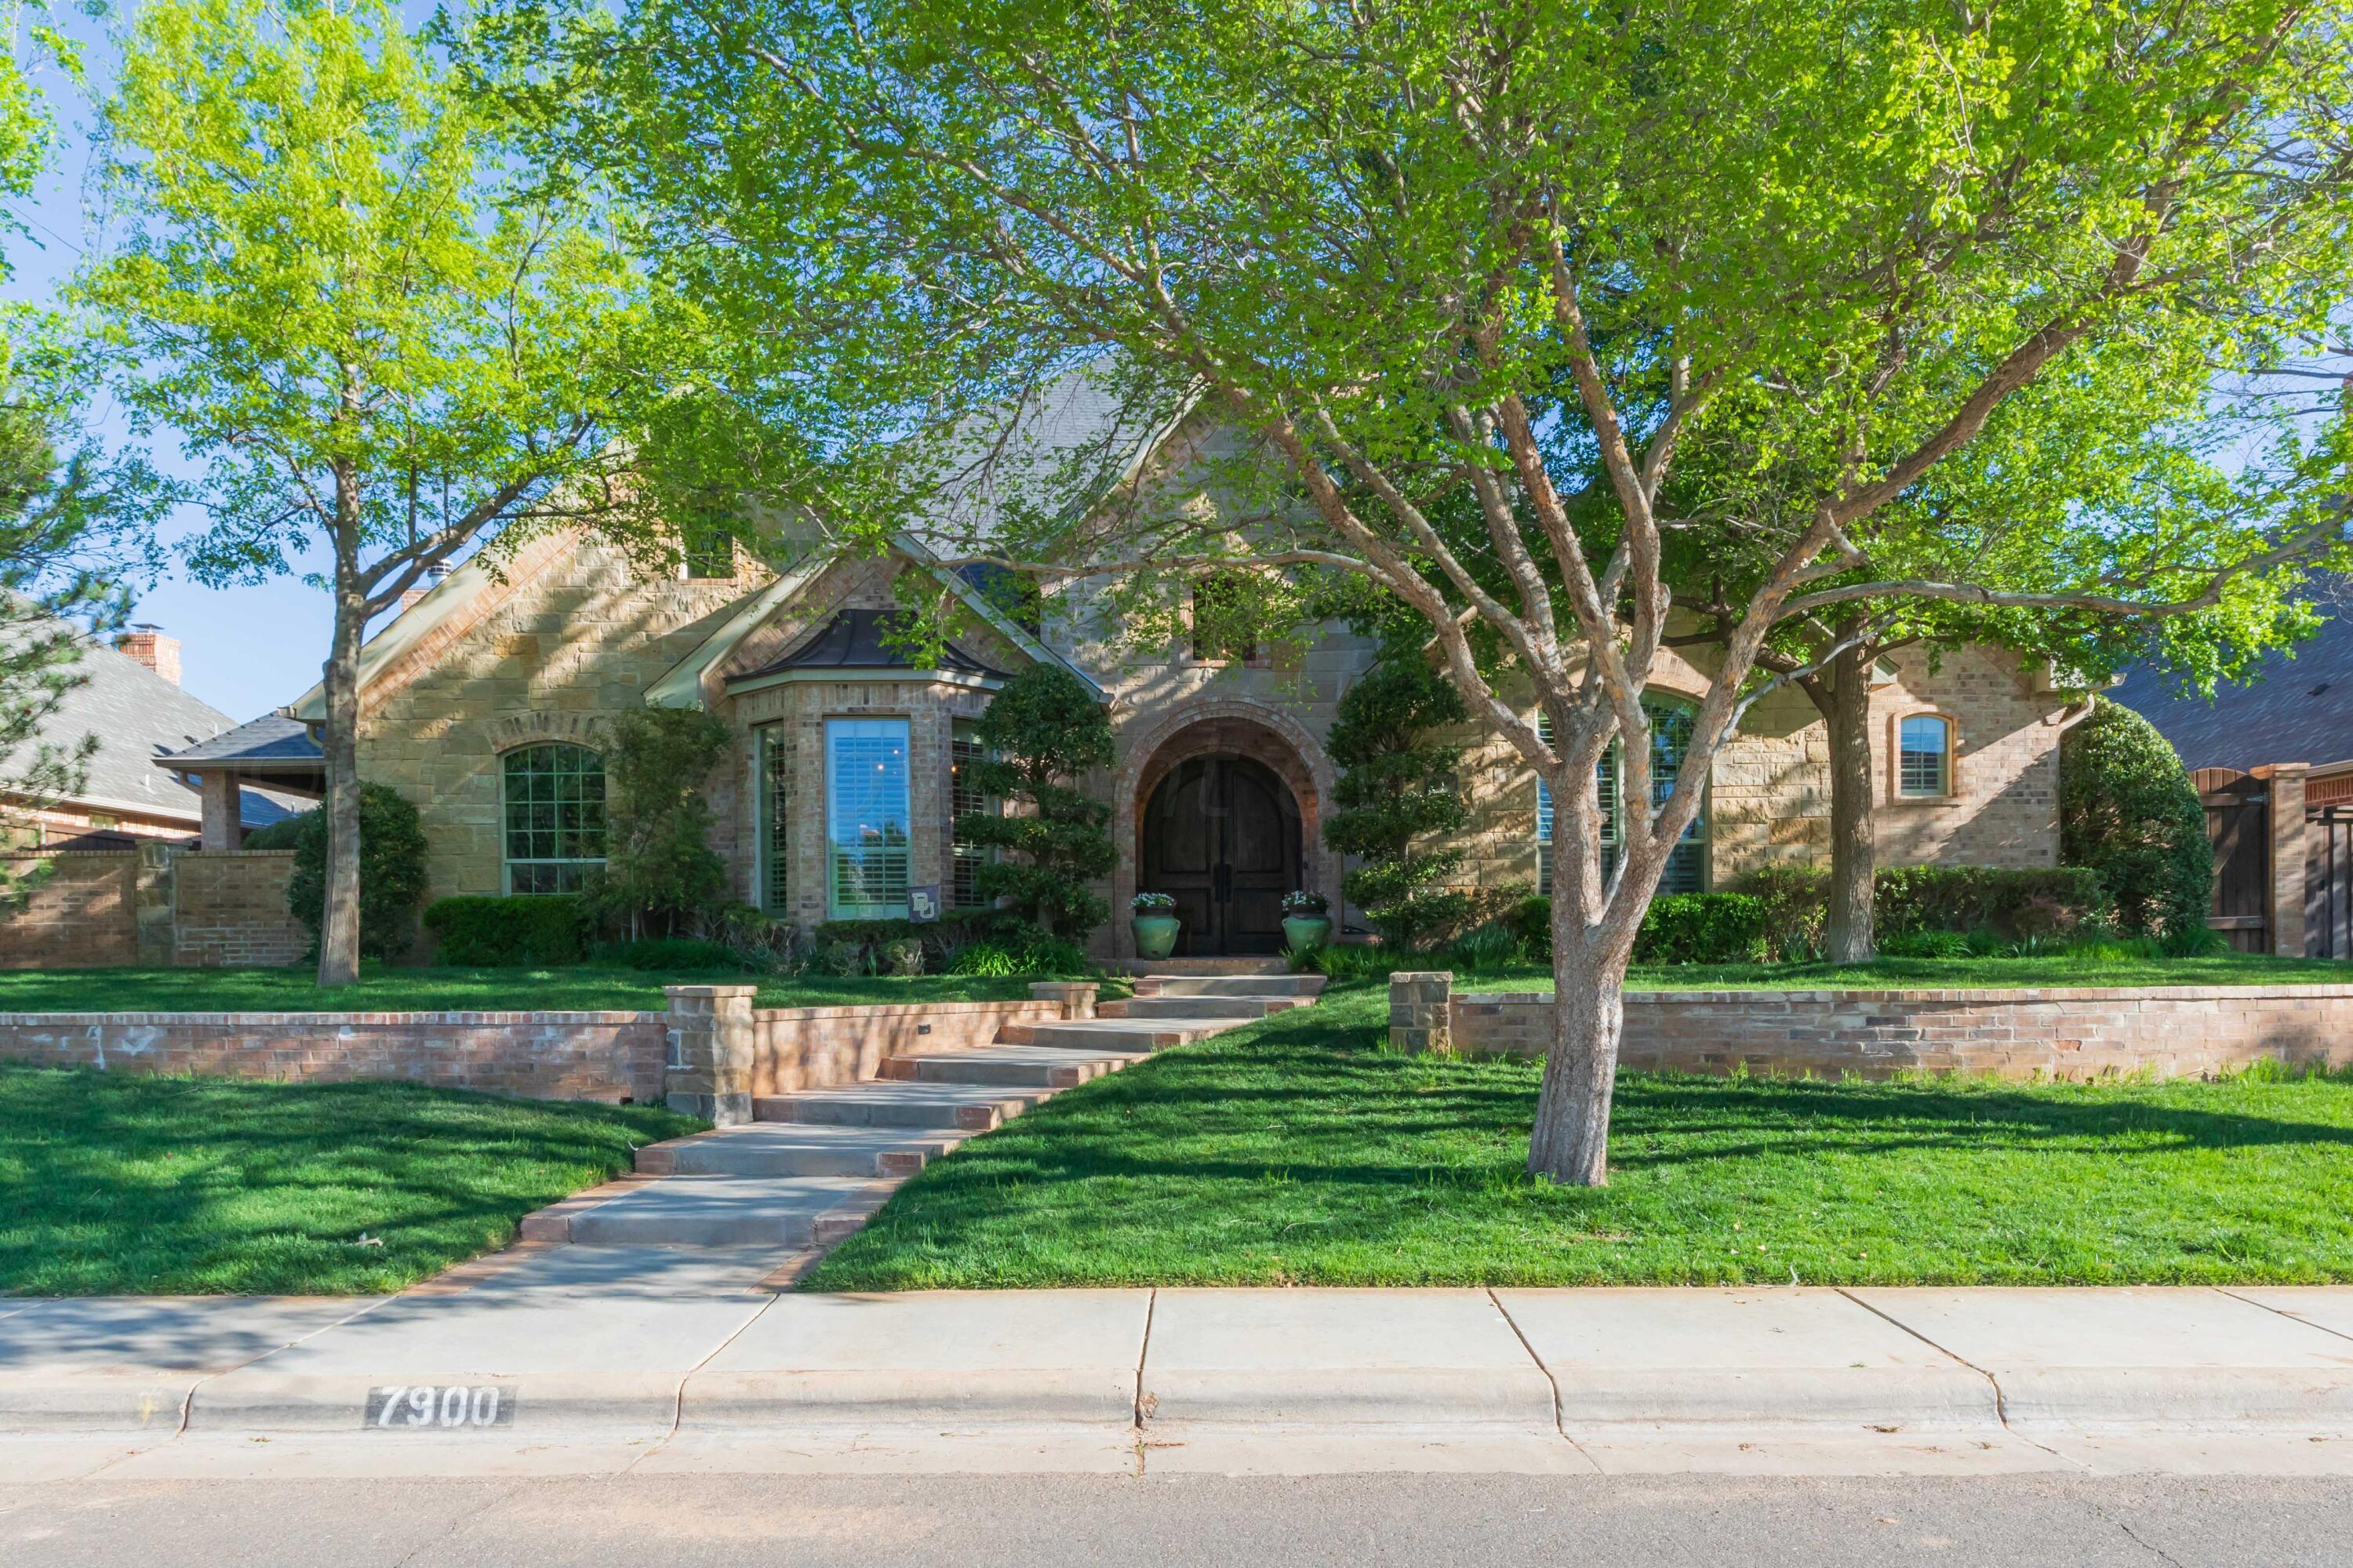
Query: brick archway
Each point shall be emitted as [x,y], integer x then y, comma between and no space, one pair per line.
[1235,728]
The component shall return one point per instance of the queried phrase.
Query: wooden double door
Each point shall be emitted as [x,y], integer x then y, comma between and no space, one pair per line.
[1221,835]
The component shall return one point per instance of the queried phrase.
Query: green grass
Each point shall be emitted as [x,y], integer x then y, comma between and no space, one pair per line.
[1954,974]
[381,990]
[112,1183]
[1296,1151]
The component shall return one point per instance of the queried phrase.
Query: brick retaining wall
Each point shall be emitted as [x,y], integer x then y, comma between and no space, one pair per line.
[2068,1033]
[796,1048]
[537,1055]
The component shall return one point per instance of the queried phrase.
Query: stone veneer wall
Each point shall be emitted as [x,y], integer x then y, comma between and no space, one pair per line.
[606,1057]
[2173,1031]
[229,908]
[796,1048]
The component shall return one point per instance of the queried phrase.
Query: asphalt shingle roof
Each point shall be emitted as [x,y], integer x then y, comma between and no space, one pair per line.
[2300,709]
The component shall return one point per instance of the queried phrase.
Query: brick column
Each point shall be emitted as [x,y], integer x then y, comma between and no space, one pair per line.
[1076,998]
[708,1071]
[221,807]
[2284,913]
[1418,1004]
[155,905]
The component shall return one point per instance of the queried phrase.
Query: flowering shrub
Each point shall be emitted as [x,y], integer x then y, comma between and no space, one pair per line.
[1305,905]
[1154,903]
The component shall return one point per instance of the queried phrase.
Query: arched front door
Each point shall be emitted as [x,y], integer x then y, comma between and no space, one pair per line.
[1221,835]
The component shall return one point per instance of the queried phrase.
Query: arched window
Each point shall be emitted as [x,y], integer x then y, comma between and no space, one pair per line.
[1671,733]
[553,818]
[1924,756]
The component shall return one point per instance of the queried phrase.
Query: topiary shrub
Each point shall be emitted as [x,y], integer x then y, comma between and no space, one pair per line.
[392,872]
[658,867]
[1042,733]
[2128,811]
[538,930]
[1702,928]
[1396,786]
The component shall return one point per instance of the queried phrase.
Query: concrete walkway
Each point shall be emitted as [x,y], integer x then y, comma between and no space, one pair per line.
[600,1359]
[814,1165]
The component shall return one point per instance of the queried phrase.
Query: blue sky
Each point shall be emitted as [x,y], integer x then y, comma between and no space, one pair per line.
[245,651]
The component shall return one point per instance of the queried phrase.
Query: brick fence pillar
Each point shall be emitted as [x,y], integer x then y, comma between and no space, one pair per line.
[2283,912]
[708,1071]
[1076,998]
[153,902]
[1419,1004]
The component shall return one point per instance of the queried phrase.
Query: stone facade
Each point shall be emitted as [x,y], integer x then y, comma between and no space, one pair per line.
[2171,1030]
[573,636]
[610,1056]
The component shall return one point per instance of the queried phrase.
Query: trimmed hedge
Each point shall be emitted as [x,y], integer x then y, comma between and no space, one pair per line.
[1702,928]
[516,932]
[1775,914]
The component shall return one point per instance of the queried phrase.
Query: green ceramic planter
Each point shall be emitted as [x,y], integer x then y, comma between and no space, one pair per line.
[1305,931]
[1155,935]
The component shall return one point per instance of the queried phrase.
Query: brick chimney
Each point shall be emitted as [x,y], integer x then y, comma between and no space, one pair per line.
[148,644]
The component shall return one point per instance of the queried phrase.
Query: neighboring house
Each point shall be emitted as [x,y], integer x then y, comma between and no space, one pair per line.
[130,698]
[2272,760]
[489,704]
[2297,708]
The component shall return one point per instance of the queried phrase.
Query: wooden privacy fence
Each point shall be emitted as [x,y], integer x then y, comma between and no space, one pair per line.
[2283,842]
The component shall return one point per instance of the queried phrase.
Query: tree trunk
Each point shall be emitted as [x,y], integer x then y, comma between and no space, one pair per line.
[1848,935]
[339,923]
[1571,1141]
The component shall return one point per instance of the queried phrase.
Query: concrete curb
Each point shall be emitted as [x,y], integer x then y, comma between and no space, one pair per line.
[94,1401]
[612,1405]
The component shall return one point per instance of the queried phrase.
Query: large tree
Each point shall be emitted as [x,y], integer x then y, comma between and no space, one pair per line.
[1466,280]
[390,333]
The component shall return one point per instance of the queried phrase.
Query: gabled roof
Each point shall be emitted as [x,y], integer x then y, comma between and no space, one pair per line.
[861,639]
[137,717]
[682,686]
[2299,708]
[272,742]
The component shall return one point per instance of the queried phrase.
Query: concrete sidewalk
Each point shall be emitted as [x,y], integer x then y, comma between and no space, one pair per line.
[603,1358]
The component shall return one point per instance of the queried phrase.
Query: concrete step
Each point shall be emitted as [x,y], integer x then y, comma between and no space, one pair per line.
[974,1107]
[1242,1007]
[1230,985]
[719,1211]
[1130,1033]
[798,1149]
[1246,966]
[1039,1066]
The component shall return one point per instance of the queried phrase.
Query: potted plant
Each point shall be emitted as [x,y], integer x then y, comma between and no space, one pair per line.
[1305,926]
[1156,924]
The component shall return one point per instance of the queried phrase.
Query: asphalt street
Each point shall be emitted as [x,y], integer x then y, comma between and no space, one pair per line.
[1026,1522]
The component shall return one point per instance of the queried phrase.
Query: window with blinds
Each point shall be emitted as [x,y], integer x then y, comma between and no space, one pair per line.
[867,836]
[1670,730]
[775,758]
[964,798]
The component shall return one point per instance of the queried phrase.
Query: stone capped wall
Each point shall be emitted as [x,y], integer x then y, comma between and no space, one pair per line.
[2172,1031]
[229,908]
[610,1056]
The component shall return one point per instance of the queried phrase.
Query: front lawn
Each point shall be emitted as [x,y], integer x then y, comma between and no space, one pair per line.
[112,1183]
[1297,1152]
[2078,969]
[382,990]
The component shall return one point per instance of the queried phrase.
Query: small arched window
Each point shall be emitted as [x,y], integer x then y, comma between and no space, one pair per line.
[1924,756]
[553,818]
